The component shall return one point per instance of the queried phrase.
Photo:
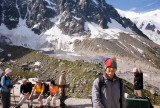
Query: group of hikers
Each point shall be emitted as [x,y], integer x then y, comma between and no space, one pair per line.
[107,90]
[30,92]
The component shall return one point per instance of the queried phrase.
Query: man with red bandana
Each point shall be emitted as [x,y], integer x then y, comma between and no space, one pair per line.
[107,92]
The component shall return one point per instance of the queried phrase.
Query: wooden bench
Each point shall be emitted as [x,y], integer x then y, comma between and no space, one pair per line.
[137,103]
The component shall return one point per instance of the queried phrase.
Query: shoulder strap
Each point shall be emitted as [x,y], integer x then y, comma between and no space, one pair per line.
[37,85]
[0,82]
[101,82]
[41,85]
[121,84]
[5,77]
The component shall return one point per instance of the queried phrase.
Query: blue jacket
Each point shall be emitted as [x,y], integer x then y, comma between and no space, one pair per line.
[5,83]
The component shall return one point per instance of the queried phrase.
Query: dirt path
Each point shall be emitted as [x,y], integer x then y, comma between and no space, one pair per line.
[71,103]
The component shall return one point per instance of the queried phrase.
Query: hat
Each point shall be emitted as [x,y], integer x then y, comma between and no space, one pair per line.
[110,62]
[23,80]
[8,70]
[135,69]
[1,71]
[38,80]
[63,72]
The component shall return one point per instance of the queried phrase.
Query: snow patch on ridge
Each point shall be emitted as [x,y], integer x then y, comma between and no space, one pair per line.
[138,49]
[21,36]
[55,19]
[95,1]
[59,40]
[142,20]
[111,33]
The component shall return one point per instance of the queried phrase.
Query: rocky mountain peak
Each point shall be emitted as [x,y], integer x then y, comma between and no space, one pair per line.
[76,12]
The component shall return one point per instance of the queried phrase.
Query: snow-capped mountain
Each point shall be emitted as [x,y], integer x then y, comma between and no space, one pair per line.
[41,24]
[83,26]
[148,23]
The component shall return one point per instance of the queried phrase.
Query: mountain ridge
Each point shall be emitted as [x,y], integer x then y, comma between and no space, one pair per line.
[147,22]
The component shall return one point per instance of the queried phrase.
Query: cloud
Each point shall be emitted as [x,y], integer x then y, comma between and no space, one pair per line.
[148,7]
[133,9]
[150,4]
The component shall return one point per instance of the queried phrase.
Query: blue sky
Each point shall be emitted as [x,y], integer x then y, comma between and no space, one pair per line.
[135,5]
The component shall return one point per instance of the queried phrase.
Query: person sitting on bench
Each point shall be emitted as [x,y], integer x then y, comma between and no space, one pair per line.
[54,93]
[39,87]
[25,90]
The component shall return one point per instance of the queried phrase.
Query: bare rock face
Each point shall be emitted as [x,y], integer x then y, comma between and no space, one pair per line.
[9,14]
[150,27]
[158,31]
[40,13]
[74,13]
[37,13]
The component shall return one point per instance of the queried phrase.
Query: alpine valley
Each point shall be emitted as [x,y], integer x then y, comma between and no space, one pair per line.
[88,30]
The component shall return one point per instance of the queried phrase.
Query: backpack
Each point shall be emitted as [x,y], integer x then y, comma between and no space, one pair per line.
[0,80]
[101,82]
[46,88]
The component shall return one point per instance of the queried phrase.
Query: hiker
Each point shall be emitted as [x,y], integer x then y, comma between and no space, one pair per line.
[6,88]
[54,93]
[108,89]
[38,93]
[138,82]
[2,73]
[25,91]
[62,81]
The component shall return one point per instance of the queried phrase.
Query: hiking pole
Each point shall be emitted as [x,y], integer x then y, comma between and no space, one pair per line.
[14,98]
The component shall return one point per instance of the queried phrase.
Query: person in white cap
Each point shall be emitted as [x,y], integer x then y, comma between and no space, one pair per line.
[138,82]
[62,81]
[25,90]
[6,88]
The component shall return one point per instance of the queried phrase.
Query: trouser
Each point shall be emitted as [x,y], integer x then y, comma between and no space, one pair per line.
[5,99]
[138,93]
[0,93]
[22,99]
[36,95]
[54,98]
